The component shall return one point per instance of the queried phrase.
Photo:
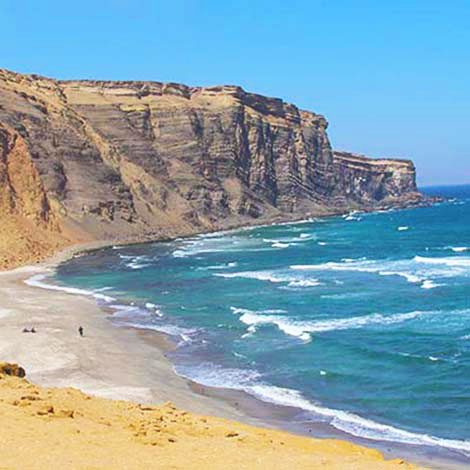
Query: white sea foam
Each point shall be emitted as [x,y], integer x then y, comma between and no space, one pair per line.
[352,423]
[250,331]
[274,277]
[155,309]
[409,277]
[283,323]
[305,283]
[403,229]
[350,218]
[128,311]
[452,261]
[218,266]
[37,281]
[417,270]
[289,241]
[184,333]
[322,243]
[180,253]
[213,375]
[280,245]
[136,265]
[303,237]
[304,329]
[136,262]
[345,296]
[233,244]
[430,285]
[269,276]
[249,381]
[458,249]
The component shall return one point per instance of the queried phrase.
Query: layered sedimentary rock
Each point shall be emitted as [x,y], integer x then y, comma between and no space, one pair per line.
[369,182]
[127,160]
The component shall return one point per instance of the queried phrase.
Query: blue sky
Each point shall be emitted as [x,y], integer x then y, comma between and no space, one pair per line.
[392,77]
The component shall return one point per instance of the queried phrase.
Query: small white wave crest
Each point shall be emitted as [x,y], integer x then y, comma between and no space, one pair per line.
[458,249]
[186,334]
[416,270]
[248,381]
[304,329]
[38,281]
[452,261]
[274,277]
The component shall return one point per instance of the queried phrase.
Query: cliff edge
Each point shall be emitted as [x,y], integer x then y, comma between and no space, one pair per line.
[130,160]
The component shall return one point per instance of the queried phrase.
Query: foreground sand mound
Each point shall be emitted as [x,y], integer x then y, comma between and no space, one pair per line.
[41,428]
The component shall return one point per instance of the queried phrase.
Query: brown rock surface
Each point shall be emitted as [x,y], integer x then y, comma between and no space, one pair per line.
[15,370]
[95,160]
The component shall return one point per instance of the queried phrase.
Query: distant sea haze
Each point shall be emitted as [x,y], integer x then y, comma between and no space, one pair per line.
[360,322]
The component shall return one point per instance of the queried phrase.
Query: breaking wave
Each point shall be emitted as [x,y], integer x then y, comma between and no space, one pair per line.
[416,270]
[304,329]
[38,281]
[250,381]
[274,277]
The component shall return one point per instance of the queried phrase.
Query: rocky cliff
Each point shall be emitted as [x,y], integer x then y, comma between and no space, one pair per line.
[369,182]
[89,160]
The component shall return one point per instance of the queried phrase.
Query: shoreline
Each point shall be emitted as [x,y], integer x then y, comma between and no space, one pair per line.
[96,364]
[148,385]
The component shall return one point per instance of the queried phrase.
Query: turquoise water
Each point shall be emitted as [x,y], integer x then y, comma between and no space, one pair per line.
[361,322]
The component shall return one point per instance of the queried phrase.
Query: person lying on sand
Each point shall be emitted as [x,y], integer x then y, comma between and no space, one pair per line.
[25,330]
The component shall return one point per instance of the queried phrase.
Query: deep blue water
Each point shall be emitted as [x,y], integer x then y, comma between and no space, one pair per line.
[361,321]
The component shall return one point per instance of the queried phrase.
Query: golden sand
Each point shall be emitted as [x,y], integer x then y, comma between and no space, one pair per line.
[44,428]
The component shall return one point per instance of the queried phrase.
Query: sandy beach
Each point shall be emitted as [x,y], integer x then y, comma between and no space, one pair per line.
[97,363]
[119,364]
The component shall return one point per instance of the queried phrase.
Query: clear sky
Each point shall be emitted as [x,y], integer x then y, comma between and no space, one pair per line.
[392,77]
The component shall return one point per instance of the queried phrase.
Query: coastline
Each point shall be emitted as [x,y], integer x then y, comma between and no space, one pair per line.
[141,373]
[97,364]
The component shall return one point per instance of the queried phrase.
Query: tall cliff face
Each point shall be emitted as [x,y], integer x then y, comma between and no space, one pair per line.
[149,159]
[29,228]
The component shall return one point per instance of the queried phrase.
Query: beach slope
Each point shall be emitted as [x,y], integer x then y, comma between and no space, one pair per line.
[41,427]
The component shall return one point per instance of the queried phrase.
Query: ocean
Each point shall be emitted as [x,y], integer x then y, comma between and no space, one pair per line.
[360,323]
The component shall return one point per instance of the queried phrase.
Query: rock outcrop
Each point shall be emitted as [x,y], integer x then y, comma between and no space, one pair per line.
[91,160]
[14,370]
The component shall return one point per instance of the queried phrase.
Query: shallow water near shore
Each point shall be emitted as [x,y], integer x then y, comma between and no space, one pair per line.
[360,323]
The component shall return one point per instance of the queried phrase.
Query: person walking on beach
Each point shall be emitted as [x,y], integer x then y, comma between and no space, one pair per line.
[80,331]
